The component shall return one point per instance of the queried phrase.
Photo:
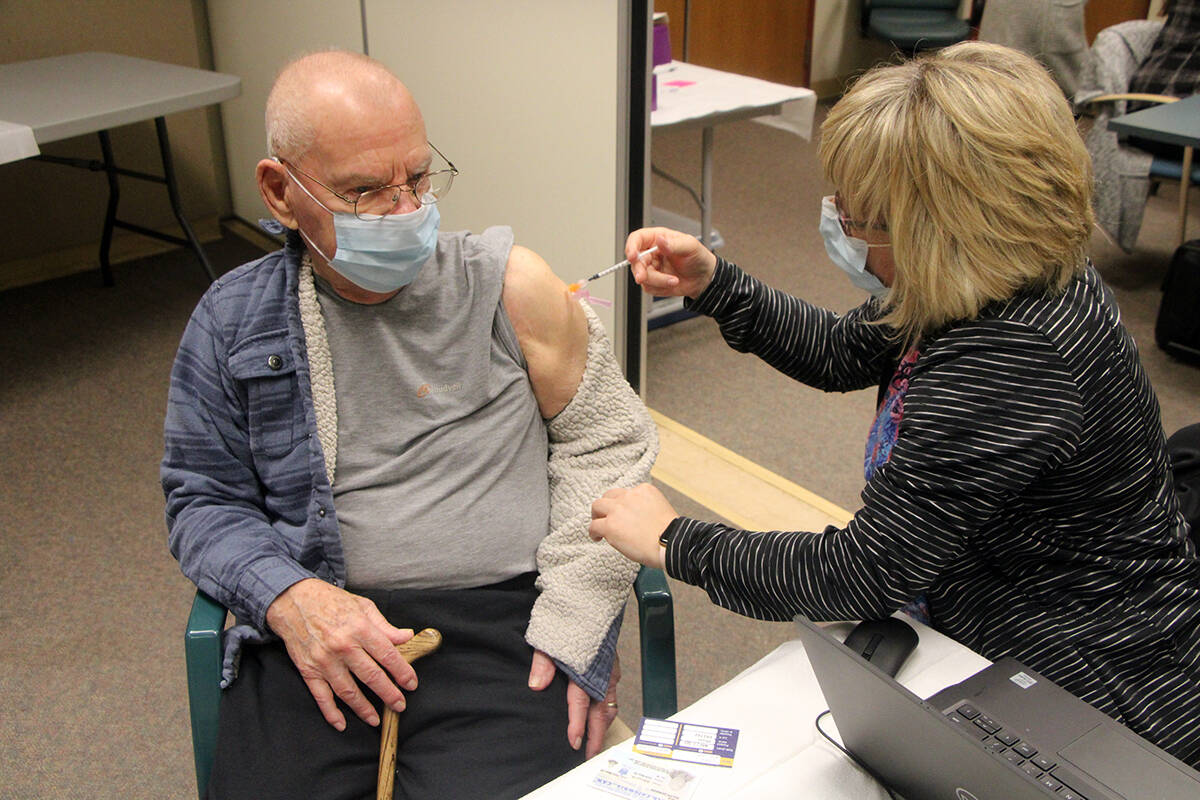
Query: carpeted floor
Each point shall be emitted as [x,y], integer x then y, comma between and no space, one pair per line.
[91,667]
[92,605]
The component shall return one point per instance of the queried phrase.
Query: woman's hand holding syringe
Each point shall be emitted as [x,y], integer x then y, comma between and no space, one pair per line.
[680,265]
[577,285]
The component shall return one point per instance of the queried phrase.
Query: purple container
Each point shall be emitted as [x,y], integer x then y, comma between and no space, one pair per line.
[661,55]
[662,45]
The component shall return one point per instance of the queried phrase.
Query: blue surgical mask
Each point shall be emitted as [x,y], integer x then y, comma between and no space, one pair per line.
[380,254]
[849,253]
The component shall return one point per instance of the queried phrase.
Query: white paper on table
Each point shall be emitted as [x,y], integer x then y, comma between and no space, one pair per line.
[687,91]
[796,117]
[634,778]
[773,704]
[16,142]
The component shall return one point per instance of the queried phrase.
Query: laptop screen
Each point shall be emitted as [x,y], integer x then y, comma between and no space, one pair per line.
[1005,732]
[903,740]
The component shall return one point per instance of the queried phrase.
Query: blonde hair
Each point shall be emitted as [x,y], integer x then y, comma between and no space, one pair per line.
[972,159]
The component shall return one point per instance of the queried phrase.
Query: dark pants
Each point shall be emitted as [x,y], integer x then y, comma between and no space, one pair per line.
[472,729]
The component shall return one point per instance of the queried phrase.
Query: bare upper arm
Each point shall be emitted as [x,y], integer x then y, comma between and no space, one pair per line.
[550,326]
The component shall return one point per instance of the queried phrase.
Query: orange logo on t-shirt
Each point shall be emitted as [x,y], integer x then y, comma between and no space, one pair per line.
[425,389]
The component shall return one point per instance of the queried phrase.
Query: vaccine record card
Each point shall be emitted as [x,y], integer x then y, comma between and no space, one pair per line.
[685,741]
[633,778]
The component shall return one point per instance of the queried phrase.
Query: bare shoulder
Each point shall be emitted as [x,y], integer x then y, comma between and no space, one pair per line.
[550,327]
[537,301]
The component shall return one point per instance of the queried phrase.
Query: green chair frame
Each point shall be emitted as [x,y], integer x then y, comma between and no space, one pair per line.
[203,651]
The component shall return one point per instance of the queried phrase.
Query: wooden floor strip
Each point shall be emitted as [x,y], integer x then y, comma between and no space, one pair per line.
[736,488]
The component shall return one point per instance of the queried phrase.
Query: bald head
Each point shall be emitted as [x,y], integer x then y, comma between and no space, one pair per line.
[317,93]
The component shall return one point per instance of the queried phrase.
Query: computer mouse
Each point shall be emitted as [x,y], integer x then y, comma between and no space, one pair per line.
[886,643]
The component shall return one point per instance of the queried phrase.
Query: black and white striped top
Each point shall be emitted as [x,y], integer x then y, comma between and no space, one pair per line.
[1027,495]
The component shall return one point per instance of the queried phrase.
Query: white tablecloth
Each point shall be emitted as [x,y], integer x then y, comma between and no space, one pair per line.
[687,92]
[16,142]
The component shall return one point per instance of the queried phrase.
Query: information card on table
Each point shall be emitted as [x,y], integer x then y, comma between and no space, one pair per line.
[685,741]
[628,776]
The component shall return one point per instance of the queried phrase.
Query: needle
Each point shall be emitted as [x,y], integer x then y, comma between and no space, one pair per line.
[577,285]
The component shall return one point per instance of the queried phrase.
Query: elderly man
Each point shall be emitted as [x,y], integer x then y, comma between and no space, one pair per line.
[382,427]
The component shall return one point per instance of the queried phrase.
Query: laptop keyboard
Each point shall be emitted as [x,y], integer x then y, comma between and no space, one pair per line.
[1041,765]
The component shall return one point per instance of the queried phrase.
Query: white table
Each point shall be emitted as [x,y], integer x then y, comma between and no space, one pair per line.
[779,752]
[691,96]
[48,99]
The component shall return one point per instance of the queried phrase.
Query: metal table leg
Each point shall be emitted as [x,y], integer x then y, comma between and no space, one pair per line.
[110,212]
[706,185]
[164,148]
[112,171]
[1185,182]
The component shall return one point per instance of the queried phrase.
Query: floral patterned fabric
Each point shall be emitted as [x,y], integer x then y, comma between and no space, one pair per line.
[884,431]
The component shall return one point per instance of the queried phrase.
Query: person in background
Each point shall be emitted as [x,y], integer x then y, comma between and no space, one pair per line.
[384,427]
[1051,31]
[1173,66]
[1018,495]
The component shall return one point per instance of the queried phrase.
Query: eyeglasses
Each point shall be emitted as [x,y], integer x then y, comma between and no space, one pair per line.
[379,201]
[848,224]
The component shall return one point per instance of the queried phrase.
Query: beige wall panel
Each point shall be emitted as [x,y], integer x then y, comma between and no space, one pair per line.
[523,97]
[49,207]
[253,40]
[839,51]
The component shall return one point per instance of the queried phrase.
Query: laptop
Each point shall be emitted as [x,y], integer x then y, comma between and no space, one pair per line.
[1005,733]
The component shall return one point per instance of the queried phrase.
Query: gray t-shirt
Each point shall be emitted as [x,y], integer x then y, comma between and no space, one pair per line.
[441,475]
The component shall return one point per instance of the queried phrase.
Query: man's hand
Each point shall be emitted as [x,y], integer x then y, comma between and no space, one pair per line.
[333,637]
[582,711]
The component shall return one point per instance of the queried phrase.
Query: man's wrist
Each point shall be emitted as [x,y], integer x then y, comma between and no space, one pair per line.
[285,605]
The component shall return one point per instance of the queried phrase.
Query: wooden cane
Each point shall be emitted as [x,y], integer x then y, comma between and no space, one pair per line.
[422,644]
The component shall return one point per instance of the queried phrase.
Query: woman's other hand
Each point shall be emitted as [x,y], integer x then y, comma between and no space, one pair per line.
[681,267]
[631,520]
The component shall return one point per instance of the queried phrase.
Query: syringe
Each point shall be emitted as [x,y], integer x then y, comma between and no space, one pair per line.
[577,285]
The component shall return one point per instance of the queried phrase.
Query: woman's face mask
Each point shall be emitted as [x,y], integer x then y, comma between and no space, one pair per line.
[848,252]
[380,254]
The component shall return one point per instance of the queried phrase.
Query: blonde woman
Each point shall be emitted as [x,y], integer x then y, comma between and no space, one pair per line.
[1018,494]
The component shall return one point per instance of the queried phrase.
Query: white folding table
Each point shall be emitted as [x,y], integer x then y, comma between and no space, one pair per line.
[691,96]
[48,99]
[779,752]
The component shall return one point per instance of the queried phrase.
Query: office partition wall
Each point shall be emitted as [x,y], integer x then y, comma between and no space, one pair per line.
[530,99]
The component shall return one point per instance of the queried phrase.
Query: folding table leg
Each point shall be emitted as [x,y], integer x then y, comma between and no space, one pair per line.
[1185,182]
[706,185]
[164,148]
[110,214]
[109,167]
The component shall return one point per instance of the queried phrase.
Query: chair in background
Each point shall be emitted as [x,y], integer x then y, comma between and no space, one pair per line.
[913,25]
[203,652]
[1182,170]
[1124,170]
[1183,451]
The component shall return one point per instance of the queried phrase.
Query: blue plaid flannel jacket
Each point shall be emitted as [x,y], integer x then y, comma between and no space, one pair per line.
[249,505]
